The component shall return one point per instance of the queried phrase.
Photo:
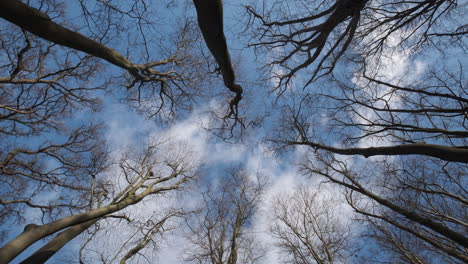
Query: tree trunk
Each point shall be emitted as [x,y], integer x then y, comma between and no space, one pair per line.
[40,24]
[13,248]
[47,251]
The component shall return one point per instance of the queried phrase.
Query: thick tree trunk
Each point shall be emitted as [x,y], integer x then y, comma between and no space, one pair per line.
[455,154]
[13,248]
[47,251]
[40,24]
[210,21]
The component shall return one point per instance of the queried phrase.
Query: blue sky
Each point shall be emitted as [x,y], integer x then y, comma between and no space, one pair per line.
[128,127]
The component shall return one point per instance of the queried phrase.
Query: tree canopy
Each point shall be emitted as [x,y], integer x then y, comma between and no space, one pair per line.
[259,131]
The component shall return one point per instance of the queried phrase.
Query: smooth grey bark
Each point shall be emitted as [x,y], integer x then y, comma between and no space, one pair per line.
[13,248]
[47,251]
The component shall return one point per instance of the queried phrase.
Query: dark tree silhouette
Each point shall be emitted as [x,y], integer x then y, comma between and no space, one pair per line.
[210,21]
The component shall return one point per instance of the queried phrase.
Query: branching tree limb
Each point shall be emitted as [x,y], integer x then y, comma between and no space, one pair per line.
[422,215]
[218,232]
[210,20]
[142,183]
[40,24]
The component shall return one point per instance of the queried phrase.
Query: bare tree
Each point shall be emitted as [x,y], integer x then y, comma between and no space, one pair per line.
[394,138]
[42,152]
[309,227]
[419,192]
[219,233]
[426,117]
[174,79]
[396,143]
[210,20]
[129,237]
[395,245]
[44,84]
[149,232]
[144,178]
[312,37]
[410,199]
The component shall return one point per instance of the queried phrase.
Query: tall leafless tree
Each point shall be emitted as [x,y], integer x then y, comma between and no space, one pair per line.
[42,152]
[312,36]
[162,83]
[418,200]
[416,134]
[144,177]
[394,138]
[309,227]
[219,233]
[395,143]
[166,70]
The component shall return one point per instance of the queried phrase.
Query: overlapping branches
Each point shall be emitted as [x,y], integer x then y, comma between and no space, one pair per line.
[425,208]
[427,117]
[219,235]
[161,80]
[313,39]
[41,153]
[308,228]
[145,178]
